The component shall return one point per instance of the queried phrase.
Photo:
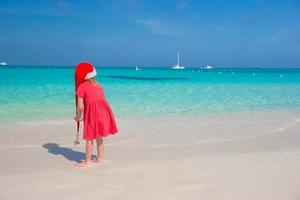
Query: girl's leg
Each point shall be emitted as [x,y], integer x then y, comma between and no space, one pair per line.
[100,150]
[88,154]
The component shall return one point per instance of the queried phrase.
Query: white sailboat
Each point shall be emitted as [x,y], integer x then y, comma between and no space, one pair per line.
[138,68]
[208,67]
[3,64]
[177,66]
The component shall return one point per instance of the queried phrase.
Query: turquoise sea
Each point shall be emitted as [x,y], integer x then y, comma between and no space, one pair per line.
[47,93]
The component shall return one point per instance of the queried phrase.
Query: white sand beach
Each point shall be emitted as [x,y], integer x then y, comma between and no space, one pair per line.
[242,156]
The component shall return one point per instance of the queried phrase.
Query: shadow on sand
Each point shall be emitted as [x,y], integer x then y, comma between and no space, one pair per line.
[68,153]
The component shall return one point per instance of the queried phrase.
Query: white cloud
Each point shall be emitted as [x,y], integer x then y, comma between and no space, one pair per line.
[182,4]
[64,4]
[285,34]
[132,3]
[279,34]
[157,27]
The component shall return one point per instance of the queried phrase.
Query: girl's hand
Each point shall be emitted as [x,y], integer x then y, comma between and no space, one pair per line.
[77,119]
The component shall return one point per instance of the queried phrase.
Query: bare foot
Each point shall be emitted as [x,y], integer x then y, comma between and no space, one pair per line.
[98,161]
[82,164]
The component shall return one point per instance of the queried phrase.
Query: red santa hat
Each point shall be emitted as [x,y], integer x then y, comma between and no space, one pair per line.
[83,72]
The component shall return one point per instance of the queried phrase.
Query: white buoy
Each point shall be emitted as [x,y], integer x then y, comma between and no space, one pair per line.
[281,75]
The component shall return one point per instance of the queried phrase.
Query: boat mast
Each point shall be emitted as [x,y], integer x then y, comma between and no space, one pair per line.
[177,58]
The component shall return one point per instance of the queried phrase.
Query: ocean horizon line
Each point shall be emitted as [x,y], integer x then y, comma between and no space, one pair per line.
[152,67]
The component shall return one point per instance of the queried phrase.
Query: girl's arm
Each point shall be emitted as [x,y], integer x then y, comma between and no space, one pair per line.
[79,108]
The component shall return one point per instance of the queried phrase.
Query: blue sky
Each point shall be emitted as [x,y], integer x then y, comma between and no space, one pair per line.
[139,32]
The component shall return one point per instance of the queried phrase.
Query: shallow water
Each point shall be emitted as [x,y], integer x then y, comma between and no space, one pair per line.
[42,93]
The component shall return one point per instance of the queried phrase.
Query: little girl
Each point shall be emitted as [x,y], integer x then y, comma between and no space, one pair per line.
[98,117]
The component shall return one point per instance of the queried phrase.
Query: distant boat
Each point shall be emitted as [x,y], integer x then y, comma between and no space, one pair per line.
[3,64]
[177,66]
[137,68]
[208,67]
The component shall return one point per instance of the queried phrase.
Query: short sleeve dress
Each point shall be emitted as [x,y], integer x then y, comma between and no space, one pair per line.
[98,117]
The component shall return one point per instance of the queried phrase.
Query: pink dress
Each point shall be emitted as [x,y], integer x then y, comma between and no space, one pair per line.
[98,117]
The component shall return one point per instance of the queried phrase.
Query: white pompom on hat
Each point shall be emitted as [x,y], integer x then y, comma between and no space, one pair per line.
[91,74]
